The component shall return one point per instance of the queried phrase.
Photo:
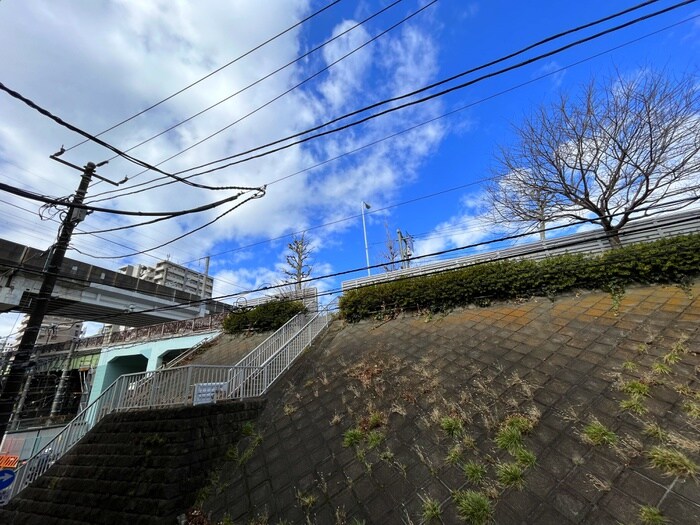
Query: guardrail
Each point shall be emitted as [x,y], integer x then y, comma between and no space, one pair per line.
[257,378]
[134,335]
[273,343]
[586,242]
[185,385]
[194,349]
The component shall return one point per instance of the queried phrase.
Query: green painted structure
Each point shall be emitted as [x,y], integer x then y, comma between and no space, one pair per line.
[139,357]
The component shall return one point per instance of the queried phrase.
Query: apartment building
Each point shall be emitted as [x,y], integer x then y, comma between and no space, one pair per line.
[54,329]
[172,275]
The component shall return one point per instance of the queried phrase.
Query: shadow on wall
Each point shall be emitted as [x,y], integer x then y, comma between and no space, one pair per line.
[120,365]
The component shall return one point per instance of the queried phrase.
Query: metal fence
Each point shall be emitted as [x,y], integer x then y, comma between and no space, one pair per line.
[134,335]
[589,242]
[188,353]
[273,343]
[185,385]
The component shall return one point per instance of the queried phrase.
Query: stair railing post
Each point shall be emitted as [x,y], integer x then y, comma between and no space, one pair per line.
[189,387]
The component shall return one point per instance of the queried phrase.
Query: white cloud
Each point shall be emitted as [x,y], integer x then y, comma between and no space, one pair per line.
[144,51]
[467,227]
[343,83]
[554,69]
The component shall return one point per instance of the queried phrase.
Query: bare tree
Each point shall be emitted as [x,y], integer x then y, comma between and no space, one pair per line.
[515,202]
[390,257]
[298,261]
[627,148]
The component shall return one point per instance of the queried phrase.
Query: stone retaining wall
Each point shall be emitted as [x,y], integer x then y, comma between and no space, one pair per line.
[140,467]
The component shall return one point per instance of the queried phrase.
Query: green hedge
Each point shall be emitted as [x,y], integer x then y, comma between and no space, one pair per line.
[263,318]
[668,260]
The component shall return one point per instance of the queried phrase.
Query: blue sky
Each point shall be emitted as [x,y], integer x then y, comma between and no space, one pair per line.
[96,63]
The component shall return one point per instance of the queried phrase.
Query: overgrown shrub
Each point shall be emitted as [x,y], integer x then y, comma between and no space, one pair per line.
[262,318]
[667,260]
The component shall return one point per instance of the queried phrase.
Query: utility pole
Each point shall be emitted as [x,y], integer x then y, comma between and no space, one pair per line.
[405,248]
[54,260]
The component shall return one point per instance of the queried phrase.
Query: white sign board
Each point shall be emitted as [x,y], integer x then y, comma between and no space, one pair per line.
[205,393]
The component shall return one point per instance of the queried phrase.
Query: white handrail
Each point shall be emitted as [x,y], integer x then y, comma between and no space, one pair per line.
[184,355]
[274,342]
[252,380]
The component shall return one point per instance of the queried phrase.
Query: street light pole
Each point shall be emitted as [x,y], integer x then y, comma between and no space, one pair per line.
[364,229]
[40,306]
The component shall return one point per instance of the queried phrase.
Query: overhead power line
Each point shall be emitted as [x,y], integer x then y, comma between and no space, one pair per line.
[387,101]
[536,250]
[349,218]
[186,234]
[413,102]
[258,81]
[75,129]
[452,112]
[602,236]
[217,70]
[106,239]
[77,230]
[411,128]
[164,214]
[161,216]
[425,122]
[264,105]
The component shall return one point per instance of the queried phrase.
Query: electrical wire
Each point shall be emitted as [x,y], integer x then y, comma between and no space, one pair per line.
[289,90]
[538,250]
[452,112]
[377,210]
[217,70]
[97,236]
[77,230]
[349,218]
[104,144]
[23,180]
[11,334]
[164,215]
[459,227]
[444,115]
[219,279]
[444,191]
[258,81]
[574,242]
[152,221]
[535,251]
[433,119]
[186,234]
[394,99]
[413,102]
[258,194]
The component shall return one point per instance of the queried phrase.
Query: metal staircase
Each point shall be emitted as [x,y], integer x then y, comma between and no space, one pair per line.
[185,385]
